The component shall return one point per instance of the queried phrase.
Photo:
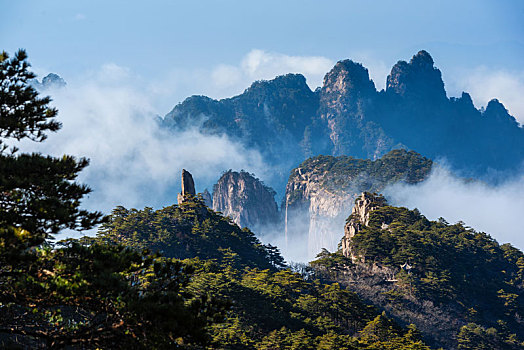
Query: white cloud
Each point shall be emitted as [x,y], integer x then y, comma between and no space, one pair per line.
[108,119]
[484,85]
[226,80]
[259,64]
[496,210]
[263,65]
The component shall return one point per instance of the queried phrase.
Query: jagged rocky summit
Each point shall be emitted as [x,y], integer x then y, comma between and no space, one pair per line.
[246,200]
[287,122]
[322,190]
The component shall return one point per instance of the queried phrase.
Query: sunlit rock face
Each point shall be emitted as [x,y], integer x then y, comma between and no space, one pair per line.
[359,217]
[321,192]
[246,200]
[348,103]
[188,186]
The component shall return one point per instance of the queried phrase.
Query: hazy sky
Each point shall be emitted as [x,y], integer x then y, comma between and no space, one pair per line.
[156,40]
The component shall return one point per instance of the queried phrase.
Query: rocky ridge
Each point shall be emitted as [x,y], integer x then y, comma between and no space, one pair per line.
[287,122]
[50,81]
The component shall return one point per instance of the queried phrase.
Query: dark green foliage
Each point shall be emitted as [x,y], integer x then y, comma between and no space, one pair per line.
[38,195]
[271,308]
[282,310]
[38,198]
[22,112]
[329,261]
[104,296]
[474,337]
[189,230]
[451,265]
[348,174]
[78,296]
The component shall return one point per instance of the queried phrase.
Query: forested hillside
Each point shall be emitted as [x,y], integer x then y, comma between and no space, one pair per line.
[271,306]
[459,286]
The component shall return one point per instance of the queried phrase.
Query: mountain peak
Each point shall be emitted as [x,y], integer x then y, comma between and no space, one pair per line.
[495,110]
[245,199]
[286,81]
[348,76]
[422,59]
[418,78]
[50,81]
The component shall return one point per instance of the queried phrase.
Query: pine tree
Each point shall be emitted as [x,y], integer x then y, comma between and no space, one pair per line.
[38,194]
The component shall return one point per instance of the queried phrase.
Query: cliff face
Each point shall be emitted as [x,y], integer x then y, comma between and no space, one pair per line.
[348,100]
[246,200]
[287,122]
[359,217]
[314,209]
[206,196]
[322,190]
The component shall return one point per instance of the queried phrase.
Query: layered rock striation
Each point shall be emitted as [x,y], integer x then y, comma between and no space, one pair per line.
[246,200]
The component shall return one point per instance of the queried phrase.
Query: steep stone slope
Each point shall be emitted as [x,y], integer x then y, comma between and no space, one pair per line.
[359,218]
[348,99]
[287,122]
[246,200]
[321,191]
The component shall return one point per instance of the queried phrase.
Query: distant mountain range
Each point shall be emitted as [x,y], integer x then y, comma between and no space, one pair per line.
[288,122]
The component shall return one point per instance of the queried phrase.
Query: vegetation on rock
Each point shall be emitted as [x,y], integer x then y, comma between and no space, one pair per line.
[464,273]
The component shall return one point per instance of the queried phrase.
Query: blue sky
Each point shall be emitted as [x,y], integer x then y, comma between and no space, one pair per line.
[151,38]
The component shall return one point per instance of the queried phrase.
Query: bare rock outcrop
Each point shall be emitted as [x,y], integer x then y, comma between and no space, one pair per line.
[347,104]
[245,199]
[188,186]
[313,209]
[359,217]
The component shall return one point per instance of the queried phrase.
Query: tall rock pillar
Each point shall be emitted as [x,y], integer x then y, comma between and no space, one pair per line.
[188,186]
